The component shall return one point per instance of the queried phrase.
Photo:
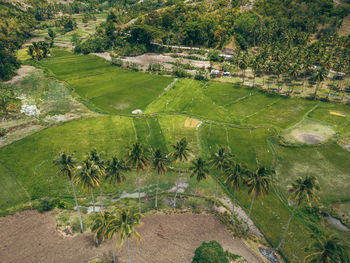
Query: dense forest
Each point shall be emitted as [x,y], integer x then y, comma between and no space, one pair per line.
[272,36]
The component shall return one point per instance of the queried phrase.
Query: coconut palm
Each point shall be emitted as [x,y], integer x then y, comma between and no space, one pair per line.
[159,162]
[115,169]
[256,67]
[243,65]
[124,223]
[88,177]
[294,72]
[95,157]
[302,191]
[258,184]
[235,175]
[220,160]
[137,158]
[179,154]
[319,76]
[99,227]
[66,164]
[199,170]
[327,248]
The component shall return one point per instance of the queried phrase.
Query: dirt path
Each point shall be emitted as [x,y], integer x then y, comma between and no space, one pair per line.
[30,237]
[22,72]
[242,216]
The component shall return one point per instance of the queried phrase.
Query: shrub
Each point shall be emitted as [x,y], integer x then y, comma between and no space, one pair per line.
[155,67]
[213,55]
[116,61]
[132,66]
[180,72]
[211,252]
[2,132]
[46,204]
[201,75]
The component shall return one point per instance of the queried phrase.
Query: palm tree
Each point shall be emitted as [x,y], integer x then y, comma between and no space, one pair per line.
[115,170]
[256,67]
[302,191]
[179,154]
[258,185]
[159,162]
[199,170]
[327,248]
[243,64]
[95,157]
[294,72]
[100,226]
[319,76]
[66,165]
[220,160]
[137,157]
[88,177]
[124,223]
[234,179]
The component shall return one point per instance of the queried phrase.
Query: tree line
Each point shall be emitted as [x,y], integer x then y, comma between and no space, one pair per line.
[121,222]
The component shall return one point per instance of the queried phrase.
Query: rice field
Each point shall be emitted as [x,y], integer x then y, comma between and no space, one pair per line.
[255,126]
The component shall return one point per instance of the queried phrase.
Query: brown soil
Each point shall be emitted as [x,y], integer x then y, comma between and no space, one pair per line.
[32,237]
[151,58]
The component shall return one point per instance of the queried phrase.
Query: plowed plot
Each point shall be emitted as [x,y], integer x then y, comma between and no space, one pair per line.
[31,237]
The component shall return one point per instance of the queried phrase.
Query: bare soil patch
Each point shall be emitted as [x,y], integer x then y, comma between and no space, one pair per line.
[165,238]
[151,58]
[309,132]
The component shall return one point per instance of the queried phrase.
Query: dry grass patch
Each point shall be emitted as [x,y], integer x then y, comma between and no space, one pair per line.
[192,123]
[337,114]
[309,132]
[345,28]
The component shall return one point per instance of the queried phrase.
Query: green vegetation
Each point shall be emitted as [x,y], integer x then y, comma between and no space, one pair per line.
[104,87]
[210,252]
[257,128]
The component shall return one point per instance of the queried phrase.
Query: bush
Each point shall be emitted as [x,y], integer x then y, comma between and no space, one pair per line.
[213,55]
[155,67]
[211,252]
[132,66]
[93,45]
[180,72]
[201,75]
[47,204]
[2,132]
[116,61]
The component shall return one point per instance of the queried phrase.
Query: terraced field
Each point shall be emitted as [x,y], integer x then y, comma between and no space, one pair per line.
[258,128]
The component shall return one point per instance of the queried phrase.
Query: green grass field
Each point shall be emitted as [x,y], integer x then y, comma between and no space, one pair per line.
[106,87]
[248,121]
